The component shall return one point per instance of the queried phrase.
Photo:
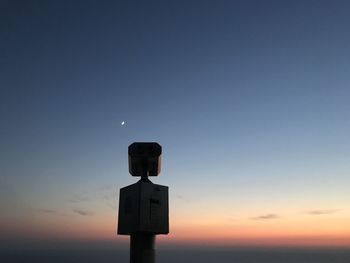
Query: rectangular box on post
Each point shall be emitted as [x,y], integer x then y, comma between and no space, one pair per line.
[143,207]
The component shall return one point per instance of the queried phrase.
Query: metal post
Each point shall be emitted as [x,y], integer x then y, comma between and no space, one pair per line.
[142,248]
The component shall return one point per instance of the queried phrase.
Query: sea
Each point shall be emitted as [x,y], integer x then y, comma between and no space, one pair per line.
[178,255]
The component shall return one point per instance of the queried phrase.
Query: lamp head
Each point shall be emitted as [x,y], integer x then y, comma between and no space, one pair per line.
[144,159]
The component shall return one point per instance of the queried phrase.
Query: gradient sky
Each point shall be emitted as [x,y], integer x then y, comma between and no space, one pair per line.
[249,99]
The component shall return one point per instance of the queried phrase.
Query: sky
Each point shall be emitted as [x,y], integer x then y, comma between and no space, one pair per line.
[249,100]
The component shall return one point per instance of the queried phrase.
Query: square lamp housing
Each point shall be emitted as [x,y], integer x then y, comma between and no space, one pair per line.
[144,158]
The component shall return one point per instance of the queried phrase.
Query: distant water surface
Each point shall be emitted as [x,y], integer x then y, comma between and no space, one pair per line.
[183,256]
[257,256]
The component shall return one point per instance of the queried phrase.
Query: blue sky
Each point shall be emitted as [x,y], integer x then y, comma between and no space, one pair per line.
[249,100]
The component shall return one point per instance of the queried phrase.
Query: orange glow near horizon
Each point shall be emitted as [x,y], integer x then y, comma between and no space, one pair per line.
[298,231]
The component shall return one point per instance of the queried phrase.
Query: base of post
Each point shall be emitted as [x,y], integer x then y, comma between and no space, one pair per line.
[142,248]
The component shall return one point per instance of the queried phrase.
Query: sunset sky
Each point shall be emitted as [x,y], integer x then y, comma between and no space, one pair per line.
[249,100]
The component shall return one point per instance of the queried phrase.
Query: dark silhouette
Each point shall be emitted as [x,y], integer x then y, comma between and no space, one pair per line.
[143,206]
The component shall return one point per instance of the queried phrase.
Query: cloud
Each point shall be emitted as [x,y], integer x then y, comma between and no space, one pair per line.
[265,217]
[51,212]
[321,212]
[83,212]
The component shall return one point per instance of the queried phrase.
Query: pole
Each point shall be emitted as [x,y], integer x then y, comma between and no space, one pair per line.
[142,248]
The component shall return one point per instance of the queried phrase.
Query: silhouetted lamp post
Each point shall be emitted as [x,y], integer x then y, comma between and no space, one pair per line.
[143,206]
